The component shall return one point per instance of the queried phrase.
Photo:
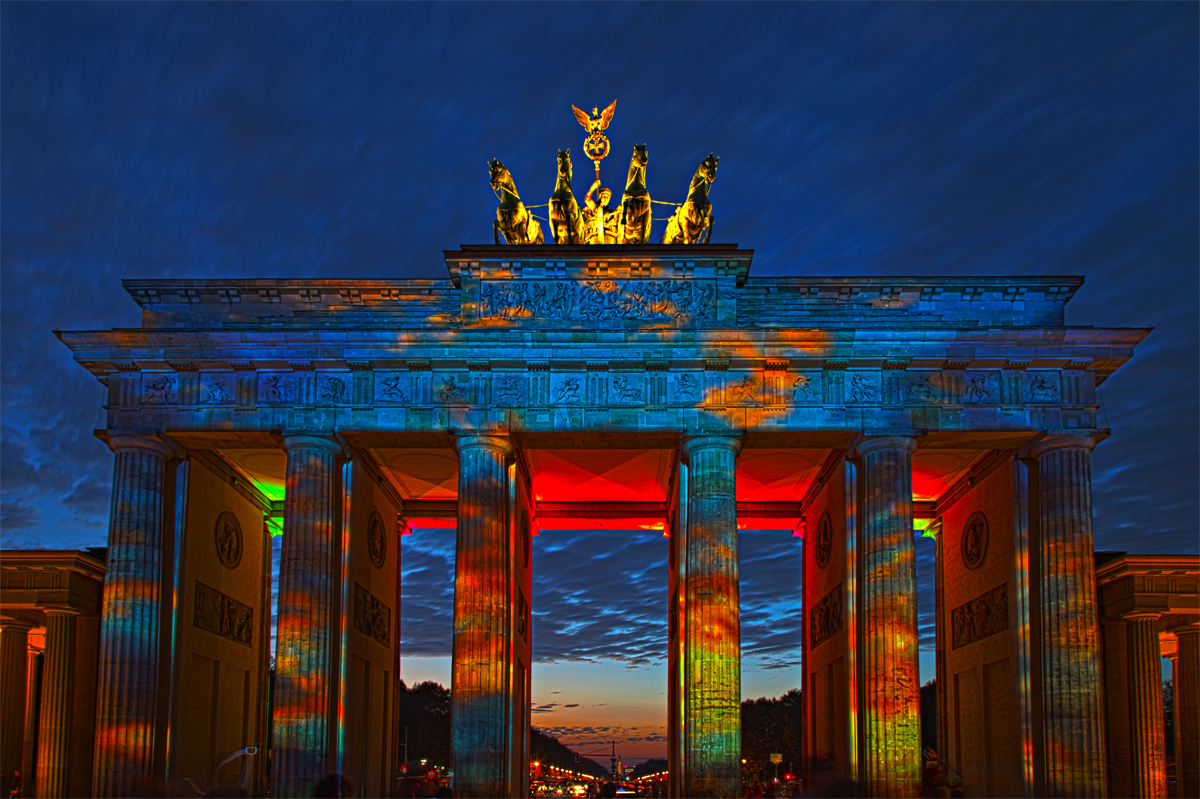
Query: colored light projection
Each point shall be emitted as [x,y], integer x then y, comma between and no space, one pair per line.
[712,730]
[1071,700]
[482,648]
[306,638]
[889,721]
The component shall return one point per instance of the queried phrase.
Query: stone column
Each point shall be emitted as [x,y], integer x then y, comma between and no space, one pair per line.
[1187,711]
[712,645]
[308,638]
[890,719]
[480,689]
[33,701]
[1072,706]
[54,726]
[127,688]
[1147,732]
[14,654]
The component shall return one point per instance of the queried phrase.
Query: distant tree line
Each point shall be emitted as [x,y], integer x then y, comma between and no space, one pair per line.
[425,718]
[772,726]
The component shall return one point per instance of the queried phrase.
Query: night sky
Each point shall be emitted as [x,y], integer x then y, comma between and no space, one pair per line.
[351,140]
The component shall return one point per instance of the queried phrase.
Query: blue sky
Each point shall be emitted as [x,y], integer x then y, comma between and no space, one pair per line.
[351,140]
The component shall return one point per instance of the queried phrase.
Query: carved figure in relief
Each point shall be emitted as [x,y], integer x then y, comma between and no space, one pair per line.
[634,226]
[508,389]
[924,390]
[229,540]
[451,391]
[861,389]
[275,391]
[392,391]
[216,392]
[978,390]
[161,392]
[687,387]
[568,391]
[376,541]
[626,390]
[746,390]
[975,540]
[566,223]
[513,220]
[803,391]
[694,218]
[1041,389]
[334,389]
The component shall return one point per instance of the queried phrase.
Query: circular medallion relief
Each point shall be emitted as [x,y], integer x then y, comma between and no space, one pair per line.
[229,540]
[975,540]
[376,540]
[824,540]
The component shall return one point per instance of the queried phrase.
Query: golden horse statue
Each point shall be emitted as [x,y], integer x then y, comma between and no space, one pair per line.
[635,202]
[694,217]
[566,223]
[512,218]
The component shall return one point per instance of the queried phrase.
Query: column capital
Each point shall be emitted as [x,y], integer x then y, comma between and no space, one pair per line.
[127,441]
[327,445]
[1142,615]
[61,610]
[697,443]
[16,625]
[875,444]
[1055,443]
[467,441]
[1188,630]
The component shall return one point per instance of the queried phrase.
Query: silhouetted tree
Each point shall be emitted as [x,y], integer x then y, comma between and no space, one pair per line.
[771,726]
[425,711]
[929,715]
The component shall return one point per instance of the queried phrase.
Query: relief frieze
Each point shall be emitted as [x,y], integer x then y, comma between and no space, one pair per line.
[449,391]
[216,390]
[825,619]
[1041,387]
[160,391]
[806,388]
[332,390]
[275,389]
[510,390]
[645,300]
[980,389]
[980,618]
[223,615]
[372,618]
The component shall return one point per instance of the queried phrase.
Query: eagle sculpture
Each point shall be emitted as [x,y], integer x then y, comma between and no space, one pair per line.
[598,120]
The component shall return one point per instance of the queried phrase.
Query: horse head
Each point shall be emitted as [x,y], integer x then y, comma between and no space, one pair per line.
[640,158]
[564,165]
[708,169]
[499,174]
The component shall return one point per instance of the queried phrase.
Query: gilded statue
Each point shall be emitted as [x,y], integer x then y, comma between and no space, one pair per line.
[635,222]
[512,217]
[599,219]
[694,217]
[566,223]
[596,144]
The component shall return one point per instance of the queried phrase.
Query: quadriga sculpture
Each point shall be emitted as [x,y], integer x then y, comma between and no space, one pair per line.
[512,218]
[634,227]
[694,217]
[566,223]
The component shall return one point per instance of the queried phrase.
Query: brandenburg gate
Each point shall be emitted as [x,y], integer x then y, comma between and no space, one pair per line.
[851,410]
[607,382]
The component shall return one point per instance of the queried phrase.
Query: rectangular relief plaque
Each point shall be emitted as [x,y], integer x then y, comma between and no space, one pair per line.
[372,618]
[223,615]
[825,619]
[980,618]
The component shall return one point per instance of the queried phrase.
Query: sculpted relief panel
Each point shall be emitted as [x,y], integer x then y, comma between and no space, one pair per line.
[644,300]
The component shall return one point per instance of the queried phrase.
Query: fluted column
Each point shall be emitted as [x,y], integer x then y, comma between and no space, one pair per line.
[307,637]
[127,688]
[14,653]
[1147,730]
[479,697]
[712,646]
[1187,711]
[33,697]
[890,720]
[1072,707]
[58,682]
